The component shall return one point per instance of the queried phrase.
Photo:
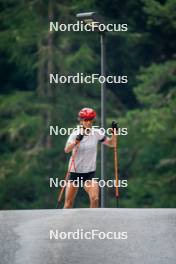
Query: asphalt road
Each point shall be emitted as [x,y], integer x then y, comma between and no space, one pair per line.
[25,236]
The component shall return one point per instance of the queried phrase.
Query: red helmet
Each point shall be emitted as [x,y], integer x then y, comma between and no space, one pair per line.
[87,113]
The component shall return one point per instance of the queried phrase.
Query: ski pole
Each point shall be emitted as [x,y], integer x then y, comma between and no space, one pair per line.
[116,163]
[67,174]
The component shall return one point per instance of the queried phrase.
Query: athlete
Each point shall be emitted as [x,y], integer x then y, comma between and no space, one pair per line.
[83,144]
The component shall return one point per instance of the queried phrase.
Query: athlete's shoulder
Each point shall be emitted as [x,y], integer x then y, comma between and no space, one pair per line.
[75,131]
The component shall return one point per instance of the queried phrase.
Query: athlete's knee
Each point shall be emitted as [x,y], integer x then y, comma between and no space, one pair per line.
[94,198]
[68,204]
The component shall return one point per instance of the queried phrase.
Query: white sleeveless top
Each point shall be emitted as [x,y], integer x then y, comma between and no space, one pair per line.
[85,160]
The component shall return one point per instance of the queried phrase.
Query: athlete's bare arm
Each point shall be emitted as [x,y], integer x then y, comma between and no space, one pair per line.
[110,142]
[69,147]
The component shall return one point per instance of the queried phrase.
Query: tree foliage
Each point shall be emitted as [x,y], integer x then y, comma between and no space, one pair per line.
[29,104]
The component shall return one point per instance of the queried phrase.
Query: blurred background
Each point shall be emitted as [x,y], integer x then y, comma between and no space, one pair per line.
[29,104]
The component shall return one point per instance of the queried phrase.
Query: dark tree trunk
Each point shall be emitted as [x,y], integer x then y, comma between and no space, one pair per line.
[49,89]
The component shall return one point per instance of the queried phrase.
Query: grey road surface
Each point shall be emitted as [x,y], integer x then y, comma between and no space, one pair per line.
[37,236]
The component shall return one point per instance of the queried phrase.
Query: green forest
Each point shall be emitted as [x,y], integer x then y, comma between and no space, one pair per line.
[29,104]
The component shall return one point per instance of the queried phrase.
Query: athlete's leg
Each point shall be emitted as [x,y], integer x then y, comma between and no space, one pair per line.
[70,194]
[92,188]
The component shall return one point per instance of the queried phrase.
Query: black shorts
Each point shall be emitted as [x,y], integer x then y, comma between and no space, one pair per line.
[81,176]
